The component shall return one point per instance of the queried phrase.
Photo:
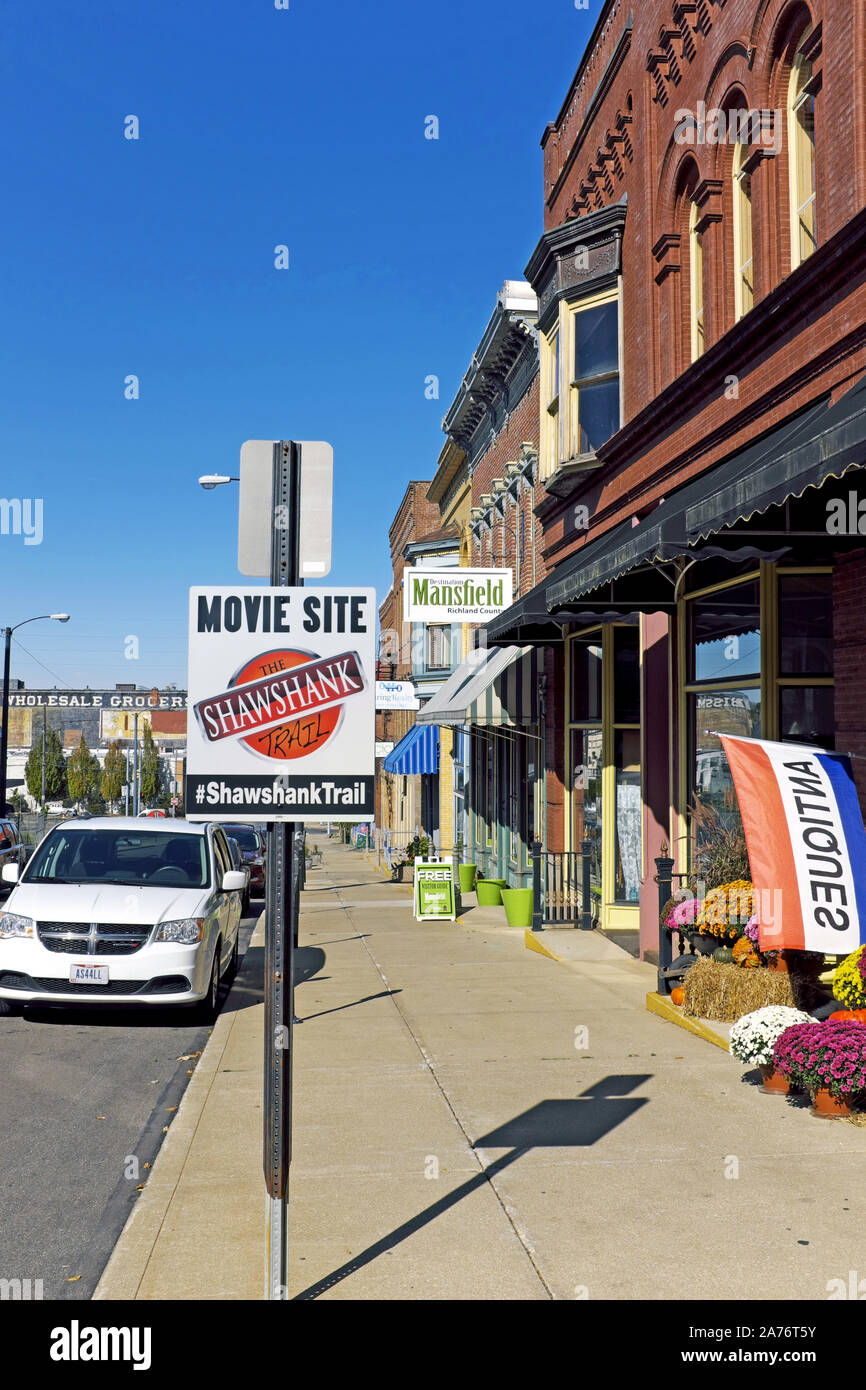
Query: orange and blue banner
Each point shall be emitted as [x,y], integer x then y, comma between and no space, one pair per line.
[806,842]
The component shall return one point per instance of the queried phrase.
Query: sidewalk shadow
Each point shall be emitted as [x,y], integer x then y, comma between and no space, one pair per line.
[383,994]
[574,1123]
[249,985]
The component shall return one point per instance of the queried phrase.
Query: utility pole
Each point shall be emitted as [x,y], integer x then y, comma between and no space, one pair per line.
[281,919]
[44,743]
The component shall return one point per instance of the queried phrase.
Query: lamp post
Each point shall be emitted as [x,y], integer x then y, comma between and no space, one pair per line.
[4,732]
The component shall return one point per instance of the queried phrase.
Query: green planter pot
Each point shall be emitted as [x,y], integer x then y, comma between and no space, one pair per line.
[490,891]
[466,877]
[518,906]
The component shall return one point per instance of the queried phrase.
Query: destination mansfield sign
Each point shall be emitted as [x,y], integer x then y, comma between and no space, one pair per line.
[281,704]
[456,595]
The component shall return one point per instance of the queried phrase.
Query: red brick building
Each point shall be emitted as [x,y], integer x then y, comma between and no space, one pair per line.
[401,806]
[702,342]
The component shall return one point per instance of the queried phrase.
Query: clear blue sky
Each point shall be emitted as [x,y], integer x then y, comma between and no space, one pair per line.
[155,257]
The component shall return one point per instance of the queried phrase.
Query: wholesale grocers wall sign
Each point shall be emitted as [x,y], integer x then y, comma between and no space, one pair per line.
[281,722]
[455,596]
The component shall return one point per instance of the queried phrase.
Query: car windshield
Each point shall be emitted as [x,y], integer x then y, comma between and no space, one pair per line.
[247,839]
[158,858]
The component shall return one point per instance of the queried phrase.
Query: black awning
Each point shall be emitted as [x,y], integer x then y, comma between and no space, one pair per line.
[832,440]
[530,622]
[748,481]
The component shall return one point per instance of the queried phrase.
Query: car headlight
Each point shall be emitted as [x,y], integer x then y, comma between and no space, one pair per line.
[13,925]
[186,931]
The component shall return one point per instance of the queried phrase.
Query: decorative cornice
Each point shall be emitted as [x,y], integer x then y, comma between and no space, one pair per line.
[485,384]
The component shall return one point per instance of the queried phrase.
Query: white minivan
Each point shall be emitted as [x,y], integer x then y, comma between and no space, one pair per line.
[121,910]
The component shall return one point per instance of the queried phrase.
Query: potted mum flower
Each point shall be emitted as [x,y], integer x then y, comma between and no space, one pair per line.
[828,1060]
[754,1036]
[849,985]
[724,913]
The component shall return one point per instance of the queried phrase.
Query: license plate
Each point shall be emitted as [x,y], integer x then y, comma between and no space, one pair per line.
[88,974]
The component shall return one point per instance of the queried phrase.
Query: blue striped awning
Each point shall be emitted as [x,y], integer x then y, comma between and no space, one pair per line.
[417,751]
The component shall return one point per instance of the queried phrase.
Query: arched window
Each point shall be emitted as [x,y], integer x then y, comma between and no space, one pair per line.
[696,282]
[744,278]
[801,159]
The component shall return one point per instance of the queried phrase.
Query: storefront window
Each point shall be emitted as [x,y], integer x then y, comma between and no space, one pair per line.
[627,838]
[626,676]
[712,713]
[586,771]
[807,715]
[586,679]
[726,634]
[805,624]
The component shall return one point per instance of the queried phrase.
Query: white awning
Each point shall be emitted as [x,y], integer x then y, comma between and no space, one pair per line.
[494,685]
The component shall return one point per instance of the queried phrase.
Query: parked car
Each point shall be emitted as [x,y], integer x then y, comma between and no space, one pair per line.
[12,848]
[112,911]
[238,863]
[252,842]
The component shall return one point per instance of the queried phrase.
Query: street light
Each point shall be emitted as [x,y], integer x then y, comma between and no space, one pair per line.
[4,732]
[212,480]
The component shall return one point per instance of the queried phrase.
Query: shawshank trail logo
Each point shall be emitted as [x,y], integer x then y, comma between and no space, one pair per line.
[283,704]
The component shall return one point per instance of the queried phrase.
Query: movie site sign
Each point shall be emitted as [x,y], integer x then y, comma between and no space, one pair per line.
[281,722]
[455,596]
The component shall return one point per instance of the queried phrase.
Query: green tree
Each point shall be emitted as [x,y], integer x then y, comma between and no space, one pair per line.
[82,772]
[152,784]
[113,774]
[55,768]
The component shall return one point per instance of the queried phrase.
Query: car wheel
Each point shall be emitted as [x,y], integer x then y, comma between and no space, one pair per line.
[209,1006]
[245,904]
[9,1009]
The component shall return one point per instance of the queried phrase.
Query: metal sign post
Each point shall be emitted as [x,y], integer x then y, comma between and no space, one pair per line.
[281,731]
[281,925]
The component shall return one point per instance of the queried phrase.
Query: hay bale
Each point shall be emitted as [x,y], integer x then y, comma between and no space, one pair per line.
[725,992]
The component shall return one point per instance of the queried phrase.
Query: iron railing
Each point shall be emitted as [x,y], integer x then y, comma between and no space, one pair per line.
[562,887]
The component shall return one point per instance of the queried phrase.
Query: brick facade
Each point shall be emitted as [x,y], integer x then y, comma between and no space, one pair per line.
[615,138]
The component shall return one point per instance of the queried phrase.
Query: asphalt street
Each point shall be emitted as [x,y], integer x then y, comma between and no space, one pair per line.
[88,1096]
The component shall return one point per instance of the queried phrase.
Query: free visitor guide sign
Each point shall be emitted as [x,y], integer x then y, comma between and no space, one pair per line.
[456,595]
[434,890]
[281,718]
[806,843]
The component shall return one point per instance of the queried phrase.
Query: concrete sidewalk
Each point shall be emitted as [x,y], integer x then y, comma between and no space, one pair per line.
[474,1120]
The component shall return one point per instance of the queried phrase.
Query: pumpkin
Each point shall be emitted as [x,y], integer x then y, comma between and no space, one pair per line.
[678,995]
[723,955]
[848,1016]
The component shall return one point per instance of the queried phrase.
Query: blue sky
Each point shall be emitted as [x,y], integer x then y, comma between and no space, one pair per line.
[155,257]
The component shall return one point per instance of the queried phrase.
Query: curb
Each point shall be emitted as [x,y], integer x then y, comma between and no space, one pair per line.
[533,944]
[122,1276]
[125,1270]
[658,1004]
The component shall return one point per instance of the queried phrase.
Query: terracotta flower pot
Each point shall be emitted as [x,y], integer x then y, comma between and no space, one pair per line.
[774,1081]
[826,1105]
